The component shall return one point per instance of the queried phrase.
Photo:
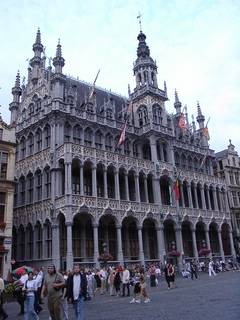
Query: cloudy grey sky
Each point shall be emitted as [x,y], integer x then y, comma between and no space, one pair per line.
[195,43]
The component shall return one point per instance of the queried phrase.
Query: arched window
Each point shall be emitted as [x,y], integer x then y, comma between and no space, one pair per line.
[183,162]
[38,237]
[190,165]
[108,142]
[48,239]
[31,109]
[38,185]
[47,182]
[38,140]
[98,140]
[177,159]
[135,149]
[157,114]
[67,132]
[88,135]
[30,188]
[29,236]
[109,113]
[30,144]
[127,147]
[23,148]
[77,132]
[165,152]
[47,136]
[22,190]
[142,116]
[38,105]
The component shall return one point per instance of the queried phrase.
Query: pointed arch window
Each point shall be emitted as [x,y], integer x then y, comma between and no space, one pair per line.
[48,239]
[108,142]
[157,114]
[77,131]
[38,179]
[109,113]
[142,116]
[127,147]
[99,140]
[38,140]
[22,190]
[47,182]
[88,136]
[38,105]
[31,109]
[67,132]
[30,144]
[23,148]
[47,136]
[30,185]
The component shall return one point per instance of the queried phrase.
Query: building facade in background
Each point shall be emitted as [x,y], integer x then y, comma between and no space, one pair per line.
[7,166]
[228,168]
[79,191]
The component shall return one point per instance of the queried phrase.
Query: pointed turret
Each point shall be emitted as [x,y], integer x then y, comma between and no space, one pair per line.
[200,116]
[177,103]
[58,60]
[16,92]
[36,61]
[145,69]
[165,88]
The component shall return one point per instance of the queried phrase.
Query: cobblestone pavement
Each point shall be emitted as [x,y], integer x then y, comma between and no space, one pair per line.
[213,298]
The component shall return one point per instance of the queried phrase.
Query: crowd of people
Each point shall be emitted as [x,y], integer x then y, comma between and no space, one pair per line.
[76,286]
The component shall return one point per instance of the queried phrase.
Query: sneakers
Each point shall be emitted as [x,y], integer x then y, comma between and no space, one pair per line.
[133,301]
[147,300]
[137,301]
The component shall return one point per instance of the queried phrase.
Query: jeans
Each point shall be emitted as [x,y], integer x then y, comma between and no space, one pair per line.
[79,308]
[29,312]
[124,288]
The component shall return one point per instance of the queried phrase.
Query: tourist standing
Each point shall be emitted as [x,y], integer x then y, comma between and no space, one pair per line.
[52,287]
[137,288]
[77,291]
[111,281]
[193,268]
[210,268]
[30,289]
[18,290]
[125,281]
[117,282]
[152,273]
[3,314]
[143,286]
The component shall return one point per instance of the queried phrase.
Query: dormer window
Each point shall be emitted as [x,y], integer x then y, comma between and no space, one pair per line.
[31,109]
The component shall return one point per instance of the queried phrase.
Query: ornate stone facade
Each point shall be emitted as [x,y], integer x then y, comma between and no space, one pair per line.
[77,188]
[228,167]
[7,163]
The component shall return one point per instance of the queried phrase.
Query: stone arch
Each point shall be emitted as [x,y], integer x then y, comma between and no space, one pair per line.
[169,234]
[165,189]
[149,234]
[130,238]
[225,233]
[200,234]
[108,233]
[213,237]
[187,237]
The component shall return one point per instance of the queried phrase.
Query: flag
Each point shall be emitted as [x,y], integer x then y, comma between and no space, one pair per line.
[92,92]
[176,190]
[123,135]
[206,133]
[182,122]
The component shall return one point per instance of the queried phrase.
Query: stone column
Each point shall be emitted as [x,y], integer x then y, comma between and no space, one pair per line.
[208,241]
[105,183]
[215,200]
[195,196]
[83,243]
[69,246]
[68,178]
[94,181]
[233,253]
[161,152]
[203,198]
[179,244]
[194,242]
[116,184]
[140,243]
[126,185]
[95,244]
[181,193]
[156,191]
[146,189]
[119,245]
[81,180]
[221,244]
[136,178]
[153,148]
[55,245]
[189,195]
[161,244]
[226,201]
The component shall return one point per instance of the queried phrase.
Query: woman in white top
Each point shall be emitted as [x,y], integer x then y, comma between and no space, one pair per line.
[30,287]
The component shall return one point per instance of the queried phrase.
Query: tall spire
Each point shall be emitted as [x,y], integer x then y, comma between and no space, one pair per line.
[200,116]
[38,37]
[16,92]
[17,81]
[37,46]
[58,60]
[177,103]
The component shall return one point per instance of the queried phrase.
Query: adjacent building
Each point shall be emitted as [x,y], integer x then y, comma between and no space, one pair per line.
[7,166]
[78,190]
[228,168]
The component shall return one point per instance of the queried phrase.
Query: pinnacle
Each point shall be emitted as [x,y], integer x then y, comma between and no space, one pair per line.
[59,50]
[176,96]
[199,111]
[38,37]
[17,82]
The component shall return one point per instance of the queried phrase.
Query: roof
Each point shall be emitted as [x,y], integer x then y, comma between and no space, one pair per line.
[222,154]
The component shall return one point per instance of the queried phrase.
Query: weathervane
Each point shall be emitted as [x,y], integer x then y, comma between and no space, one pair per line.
[140,20]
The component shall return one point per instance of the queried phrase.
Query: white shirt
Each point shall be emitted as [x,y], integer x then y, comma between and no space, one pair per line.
[76,286]
[32,285]
[38,280]
[125,276]
[23,278]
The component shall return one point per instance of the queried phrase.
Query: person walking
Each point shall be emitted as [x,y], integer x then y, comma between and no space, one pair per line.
[3,313]
[193,269]
[29,289]
[77,291]
[111,281]
[18,290]
[210,269]
[125,281]
[52,287]
[143,286]
[137,288]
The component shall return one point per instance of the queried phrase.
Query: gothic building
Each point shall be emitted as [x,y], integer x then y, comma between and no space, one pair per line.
[228,167]
[77,189]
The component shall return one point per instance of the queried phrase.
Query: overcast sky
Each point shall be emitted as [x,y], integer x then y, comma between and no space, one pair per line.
[195,43]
